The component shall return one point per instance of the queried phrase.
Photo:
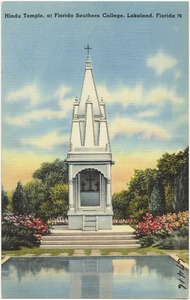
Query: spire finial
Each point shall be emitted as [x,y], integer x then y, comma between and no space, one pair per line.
[88,62]
[88,49]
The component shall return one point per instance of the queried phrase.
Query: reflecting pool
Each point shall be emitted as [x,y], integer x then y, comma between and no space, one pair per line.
[93,277]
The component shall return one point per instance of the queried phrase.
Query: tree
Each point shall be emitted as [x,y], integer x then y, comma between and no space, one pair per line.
[5,200]
[138,206]
[139,190]
[53,173]
[157,198]
[181,190]
[52,177]
[173,169]
[36,194]
[142,182]
[19,200]
[120,203]
[57,204]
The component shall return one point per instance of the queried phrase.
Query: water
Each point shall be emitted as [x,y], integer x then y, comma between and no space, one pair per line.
[93,277]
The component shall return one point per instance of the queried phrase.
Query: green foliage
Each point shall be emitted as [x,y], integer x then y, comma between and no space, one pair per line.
[175,242]
[120,203]
[148,240]
[21,230]
[36,194]
[139,190]
[180,190]
[47,194]
[168,197]
[183,231]
[19,200]
[157,198]
[15,237]
[142,182]
[138,206]
[57,203]
[4,200]
[172,242]
[52,173]
[170,164]
[158,191]
[173,168]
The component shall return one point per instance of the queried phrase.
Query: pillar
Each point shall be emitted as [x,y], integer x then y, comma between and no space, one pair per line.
[71,192]
[108,204]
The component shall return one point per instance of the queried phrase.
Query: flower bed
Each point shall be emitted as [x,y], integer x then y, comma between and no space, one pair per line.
[162,225]
[124,222]
[169,231]
[22,230]
[62,221]
[58,221]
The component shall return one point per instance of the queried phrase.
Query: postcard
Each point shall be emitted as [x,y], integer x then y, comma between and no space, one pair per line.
[95,149]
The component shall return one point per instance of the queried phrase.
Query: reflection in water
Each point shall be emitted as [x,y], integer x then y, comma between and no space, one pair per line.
[103,277]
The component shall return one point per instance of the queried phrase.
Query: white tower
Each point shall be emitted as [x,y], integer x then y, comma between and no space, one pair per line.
[89,160]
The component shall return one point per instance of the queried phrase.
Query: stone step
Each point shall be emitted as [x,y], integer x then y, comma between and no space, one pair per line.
[90,218]
[83,233]
[85,246]
[64,238]
[86,242]
[89,228]
[90,237]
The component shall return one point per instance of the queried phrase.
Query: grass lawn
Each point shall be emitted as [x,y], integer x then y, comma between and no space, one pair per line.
[183,254]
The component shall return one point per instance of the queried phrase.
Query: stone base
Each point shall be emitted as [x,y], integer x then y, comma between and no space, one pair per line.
[85,221]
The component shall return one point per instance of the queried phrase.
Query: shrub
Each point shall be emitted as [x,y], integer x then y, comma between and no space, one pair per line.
[169,231]
[148,240]
[162,225]
[175,242]
[14,237]
[22,230]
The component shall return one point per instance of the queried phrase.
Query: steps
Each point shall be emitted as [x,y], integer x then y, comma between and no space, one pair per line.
[90,223]
[76,239]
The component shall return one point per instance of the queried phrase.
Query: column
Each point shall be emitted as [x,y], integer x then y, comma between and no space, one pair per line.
[71,198]
[109,204]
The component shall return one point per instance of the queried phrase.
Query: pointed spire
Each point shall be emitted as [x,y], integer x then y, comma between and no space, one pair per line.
[89,125]
[89,88]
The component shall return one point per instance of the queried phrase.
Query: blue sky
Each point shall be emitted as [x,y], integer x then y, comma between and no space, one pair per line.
[140,67]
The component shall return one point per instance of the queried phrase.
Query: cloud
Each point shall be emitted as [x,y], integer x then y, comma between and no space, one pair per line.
[127,126]
[33,94]
[47,141]
[147,114]
[122,94]
[138,96]
[35,115]
[161,62]
[29,93]
[65,102]
[159,95]
[62,91]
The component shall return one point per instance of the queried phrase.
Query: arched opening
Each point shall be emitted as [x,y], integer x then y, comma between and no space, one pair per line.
[90,181]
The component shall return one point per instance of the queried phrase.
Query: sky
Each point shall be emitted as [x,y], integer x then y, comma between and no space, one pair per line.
[140,65]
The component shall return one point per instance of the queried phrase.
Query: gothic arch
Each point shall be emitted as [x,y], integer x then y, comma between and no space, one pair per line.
[90,169]
[102,169]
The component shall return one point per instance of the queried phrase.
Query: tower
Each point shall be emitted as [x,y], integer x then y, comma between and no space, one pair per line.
[89,160]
